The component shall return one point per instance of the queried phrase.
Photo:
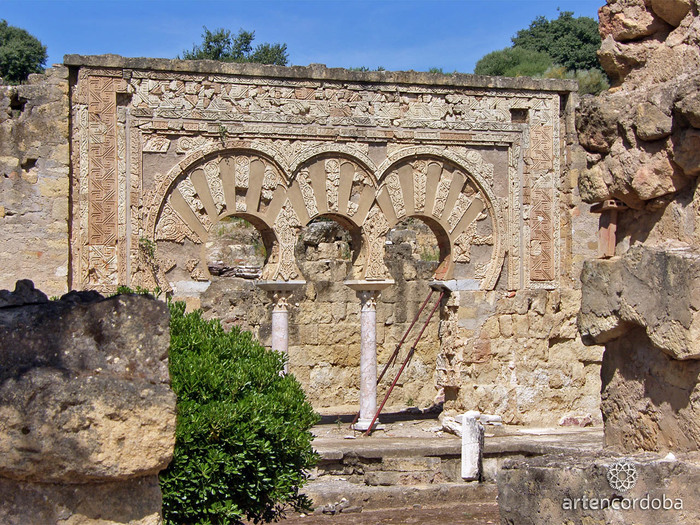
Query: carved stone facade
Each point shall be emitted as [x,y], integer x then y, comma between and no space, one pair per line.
[281,147]
[162,151]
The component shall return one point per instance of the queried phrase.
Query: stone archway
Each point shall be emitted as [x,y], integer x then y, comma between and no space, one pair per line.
[450,194]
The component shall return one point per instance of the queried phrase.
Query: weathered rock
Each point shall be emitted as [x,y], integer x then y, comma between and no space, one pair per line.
[686,152]
[689,108]
[84,390]
[592,184]
[596,123]
[628,20]
[671,11]
[86,411]
[656,176]
[543,490]
[618,60]
[24,293]
[34,181]
[656,288]
[649,399]
[132,502]
[651,123]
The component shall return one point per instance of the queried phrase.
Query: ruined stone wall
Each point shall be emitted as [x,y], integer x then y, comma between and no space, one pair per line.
[517,352]
[87,417]
[325,314]
[34,181]
[642,140]
[163,151]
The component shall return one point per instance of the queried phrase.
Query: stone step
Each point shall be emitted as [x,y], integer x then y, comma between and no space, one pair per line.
[334,497]
[406,461]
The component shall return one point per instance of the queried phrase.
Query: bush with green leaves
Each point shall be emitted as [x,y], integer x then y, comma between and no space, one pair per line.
[564,47]
[513,62]
[242,436]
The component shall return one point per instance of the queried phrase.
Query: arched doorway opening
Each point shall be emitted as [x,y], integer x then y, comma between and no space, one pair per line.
[416,248]
[235,253]
[324,330]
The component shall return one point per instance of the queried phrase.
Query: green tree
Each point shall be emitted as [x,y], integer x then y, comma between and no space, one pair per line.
[571,42]
[513,62]
[221,45]
[20,54]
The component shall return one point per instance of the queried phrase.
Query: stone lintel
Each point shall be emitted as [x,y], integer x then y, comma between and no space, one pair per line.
[455,285]
[320,72]
[362,285]
[279,286]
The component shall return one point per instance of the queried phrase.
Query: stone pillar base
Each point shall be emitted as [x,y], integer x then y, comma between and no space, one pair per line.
[362,425]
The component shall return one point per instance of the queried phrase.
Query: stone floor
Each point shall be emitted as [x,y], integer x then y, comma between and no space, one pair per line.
[345,500]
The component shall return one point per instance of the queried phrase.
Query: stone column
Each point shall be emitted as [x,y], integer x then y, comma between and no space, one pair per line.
[368,293]
[280,291]
[280,323]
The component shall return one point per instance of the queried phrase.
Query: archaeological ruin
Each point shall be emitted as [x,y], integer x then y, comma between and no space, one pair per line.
[148,161]
[318,208]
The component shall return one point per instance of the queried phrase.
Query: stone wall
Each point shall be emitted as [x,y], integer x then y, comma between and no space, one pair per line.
[325,315]
[640,300]
[154,141]
[34,181]
[641,140]
[87,417]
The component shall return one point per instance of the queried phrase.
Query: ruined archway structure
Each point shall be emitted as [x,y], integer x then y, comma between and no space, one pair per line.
[162,150]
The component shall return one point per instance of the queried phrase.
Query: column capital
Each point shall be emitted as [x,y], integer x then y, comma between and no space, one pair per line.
[280,292]
[368,291]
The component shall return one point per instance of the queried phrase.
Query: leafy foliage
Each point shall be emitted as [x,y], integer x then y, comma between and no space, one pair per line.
[590,81]
[571,42]
[513,62]
[561,48]
[242,438]
[20,54]
[220,45]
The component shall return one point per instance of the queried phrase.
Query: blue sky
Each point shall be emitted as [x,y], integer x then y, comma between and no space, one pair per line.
[394,34]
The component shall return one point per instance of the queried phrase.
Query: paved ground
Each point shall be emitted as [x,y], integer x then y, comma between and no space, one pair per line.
[412,436]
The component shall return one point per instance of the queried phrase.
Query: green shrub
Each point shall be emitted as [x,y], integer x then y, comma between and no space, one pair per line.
[242,438]
[513,62]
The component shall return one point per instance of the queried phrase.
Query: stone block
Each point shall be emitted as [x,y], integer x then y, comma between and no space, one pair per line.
[84,392]
[131,502]
[599,488]
[505,325]
[655,288]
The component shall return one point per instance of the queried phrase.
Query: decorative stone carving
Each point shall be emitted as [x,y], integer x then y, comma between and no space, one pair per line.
[171,227]
[394,188]
[332,168]
[374,229]
[287,227]
[189,193]
[186,145]
[156,144]
[269,183]
[442,193]
[242,171]
[216,188]
[307,192]
[102,161]
[463,202]
[442,118]
[420,178]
